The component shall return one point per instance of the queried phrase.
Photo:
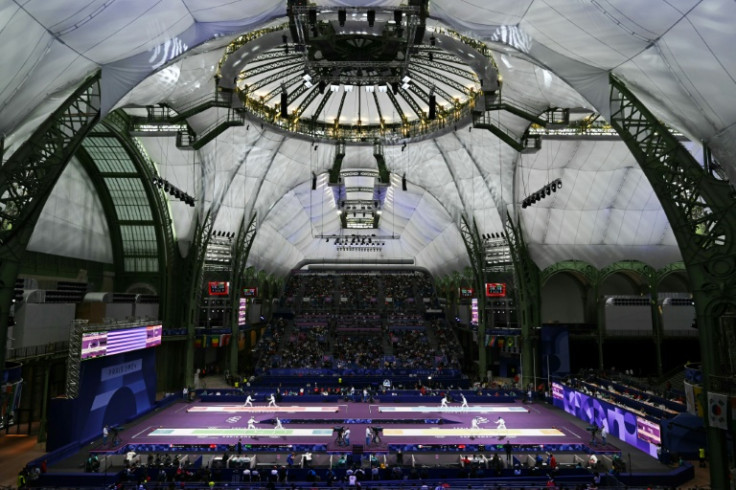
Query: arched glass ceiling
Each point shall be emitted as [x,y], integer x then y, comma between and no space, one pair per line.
[133,212]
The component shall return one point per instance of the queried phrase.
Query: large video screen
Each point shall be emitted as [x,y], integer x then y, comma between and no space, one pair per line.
[242,310]
[620,422]
[218,288]
[648,431]
[466,292]
[495,289]
[109,343]
[558,392]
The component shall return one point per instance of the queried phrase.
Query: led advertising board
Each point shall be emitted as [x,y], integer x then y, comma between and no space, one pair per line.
[109,343]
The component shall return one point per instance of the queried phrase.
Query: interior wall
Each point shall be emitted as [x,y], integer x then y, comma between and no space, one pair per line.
[41,324]
[53,267]
[562,300]
[618,284]
[632,317]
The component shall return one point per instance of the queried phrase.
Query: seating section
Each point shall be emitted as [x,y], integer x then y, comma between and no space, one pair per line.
[365,322]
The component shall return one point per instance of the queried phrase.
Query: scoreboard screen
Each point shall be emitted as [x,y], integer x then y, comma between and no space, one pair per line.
[495,289]
[109,343]
[218,288]
[250,292]
[466,292]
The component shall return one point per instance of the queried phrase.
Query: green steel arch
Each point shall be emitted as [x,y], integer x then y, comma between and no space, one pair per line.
[700,208]
[164,277]
[29,175]
[108,206]
[581,269]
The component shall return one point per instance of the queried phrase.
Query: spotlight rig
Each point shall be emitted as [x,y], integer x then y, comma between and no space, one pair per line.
[541,193]
[172,190]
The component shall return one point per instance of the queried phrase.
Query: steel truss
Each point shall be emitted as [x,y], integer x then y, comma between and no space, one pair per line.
[528,297]
[474,246]
[701,210]
[28,177]
[118,122]
[193,285]
[437,75]
[240,252]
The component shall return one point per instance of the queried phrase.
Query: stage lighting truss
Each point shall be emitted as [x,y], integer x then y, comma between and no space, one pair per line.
[496,251]
[358,242]
[545,191]
[173,191]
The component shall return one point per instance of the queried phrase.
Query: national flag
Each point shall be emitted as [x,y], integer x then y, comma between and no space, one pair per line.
[718,410]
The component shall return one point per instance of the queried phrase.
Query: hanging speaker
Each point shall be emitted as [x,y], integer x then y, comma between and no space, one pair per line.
[284,105]
[398,14]
[314,181]
[312,16]
[371,18]
[432,107]
[403,183]
[342,16]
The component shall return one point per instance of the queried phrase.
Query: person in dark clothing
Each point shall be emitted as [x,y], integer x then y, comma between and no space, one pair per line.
[507,447]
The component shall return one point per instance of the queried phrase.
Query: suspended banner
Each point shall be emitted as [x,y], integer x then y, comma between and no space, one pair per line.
[222,340]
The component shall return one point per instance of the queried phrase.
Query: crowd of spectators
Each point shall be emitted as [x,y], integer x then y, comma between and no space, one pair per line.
[424,285]
[268,346]
[399,287]
[317,290]
[412,349]
[448,347]
[352,332]
[358,351]
[358,291]
[356,321]
[307,348]
[404,319]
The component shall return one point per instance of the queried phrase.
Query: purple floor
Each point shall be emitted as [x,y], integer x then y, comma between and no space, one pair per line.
[177,416]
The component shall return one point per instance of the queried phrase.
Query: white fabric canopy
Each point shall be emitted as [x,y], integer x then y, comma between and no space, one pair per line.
[676,56]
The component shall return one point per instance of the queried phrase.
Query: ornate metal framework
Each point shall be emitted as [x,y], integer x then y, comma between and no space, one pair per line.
[528,299]
[333,58]
[650,280]
[700,209]
[168,254]
[474,246]
[193,285]
[29,175]
[240,252]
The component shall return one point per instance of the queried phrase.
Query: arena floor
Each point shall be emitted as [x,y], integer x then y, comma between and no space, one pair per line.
[197,423]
